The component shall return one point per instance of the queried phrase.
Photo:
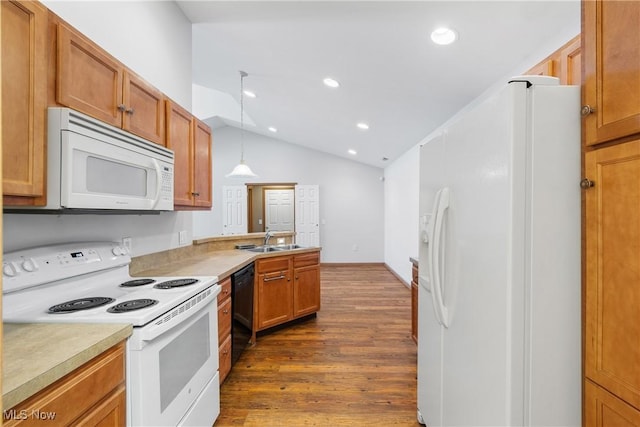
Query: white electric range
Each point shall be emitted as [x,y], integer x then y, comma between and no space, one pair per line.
[172,355]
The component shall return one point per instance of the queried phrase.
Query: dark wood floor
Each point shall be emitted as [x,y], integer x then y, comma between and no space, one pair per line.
[352,365]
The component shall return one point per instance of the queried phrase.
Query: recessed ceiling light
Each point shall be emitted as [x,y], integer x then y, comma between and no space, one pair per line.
[272,129]
[328,81]
[250,94]
[352,152]
[443,36]
[362,126]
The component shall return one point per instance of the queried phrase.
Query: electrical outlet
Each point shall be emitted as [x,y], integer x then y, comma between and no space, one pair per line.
[182,237]
[126,242]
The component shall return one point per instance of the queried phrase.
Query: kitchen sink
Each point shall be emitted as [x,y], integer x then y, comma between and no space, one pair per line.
[273,248]
[262,249]
[287,247]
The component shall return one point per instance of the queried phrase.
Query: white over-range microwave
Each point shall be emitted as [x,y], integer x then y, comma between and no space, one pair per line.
[95,166]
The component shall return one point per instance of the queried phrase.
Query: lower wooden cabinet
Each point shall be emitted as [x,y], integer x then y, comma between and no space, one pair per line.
[287,287]
[94,394]
[603,409]
[224,358]
[306,284]
[414,302]
[224,329]
[275,291]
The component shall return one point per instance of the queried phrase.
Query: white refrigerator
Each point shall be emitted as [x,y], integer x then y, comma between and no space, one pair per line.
[499,317]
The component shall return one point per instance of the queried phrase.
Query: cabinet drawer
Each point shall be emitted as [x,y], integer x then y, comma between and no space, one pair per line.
[224,358]
[272,264]
[303,260]
[75,393]
[224,319]
[226,290]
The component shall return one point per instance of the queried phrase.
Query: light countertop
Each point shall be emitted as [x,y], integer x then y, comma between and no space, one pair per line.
[36,355]
[220,263]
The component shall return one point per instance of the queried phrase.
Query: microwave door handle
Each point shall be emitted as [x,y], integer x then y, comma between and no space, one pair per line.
[156,166]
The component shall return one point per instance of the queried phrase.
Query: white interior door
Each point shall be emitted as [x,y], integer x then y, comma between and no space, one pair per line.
[234,214]
[307,215]
[278,205]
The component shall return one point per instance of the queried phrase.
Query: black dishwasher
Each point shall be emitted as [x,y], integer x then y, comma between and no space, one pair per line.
[242,310]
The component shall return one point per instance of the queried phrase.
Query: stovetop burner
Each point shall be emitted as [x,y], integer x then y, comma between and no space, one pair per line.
[79,304]
[137,282]
[132,305]
[177,283]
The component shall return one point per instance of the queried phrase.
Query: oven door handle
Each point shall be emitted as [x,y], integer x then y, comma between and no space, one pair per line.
[180,314]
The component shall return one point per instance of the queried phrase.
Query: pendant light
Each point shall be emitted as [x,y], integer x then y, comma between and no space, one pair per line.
[242,170]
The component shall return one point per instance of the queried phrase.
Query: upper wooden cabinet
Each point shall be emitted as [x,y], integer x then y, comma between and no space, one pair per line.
[24,101]
[564,63]
[202,164]
[612,270]
[190,140]
[611,49]
[93,82]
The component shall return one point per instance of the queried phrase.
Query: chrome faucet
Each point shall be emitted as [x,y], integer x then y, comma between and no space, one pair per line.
[267,236]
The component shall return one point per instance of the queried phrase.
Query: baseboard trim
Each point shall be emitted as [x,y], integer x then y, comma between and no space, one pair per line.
[352,264]
[397,276]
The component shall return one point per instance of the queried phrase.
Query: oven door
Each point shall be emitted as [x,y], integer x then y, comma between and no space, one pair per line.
[105,174]
[168,376]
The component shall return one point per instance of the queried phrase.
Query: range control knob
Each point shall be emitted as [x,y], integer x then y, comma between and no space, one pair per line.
[119,250]
[29,265]
[10,269]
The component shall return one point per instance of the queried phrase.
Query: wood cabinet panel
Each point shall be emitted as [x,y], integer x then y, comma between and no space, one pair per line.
[570,70]
[275,298]
[24,98]
[111,412]
[304,260]
[80,396]
[611,69]
[144,109]
[273,264]
[306,290]
[612,277]
[224,358]
[224,319]
[88,79]
[179,135]
[544,68]
[414,303]
[93,82]
[602,409]
[202,164]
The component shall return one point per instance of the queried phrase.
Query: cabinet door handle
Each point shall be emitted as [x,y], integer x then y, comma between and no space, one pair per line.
[586,110]
[121,107]
[195,194]
[130,111]
[269,279]
[225,311]
[586,183]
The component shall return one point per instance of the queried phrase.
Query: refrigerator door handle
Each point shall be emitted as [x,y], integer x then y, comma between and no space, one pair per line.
[439,256]
[431,249]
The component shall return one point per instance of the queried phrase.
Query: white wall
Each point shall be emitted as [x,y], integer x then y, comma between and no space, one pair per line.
[351,193]
[154,40]
[401,212]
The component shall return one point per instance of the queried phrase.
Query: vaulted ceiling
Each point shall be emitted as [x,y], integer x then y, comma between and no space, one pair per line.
[391,75]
